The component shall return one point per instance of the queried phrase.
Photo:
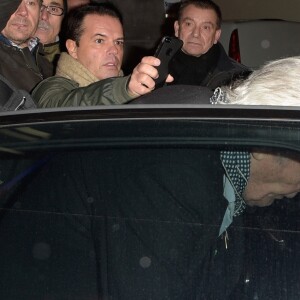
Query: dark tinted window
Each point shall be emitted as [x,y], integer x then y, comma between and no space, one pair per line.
[106,214]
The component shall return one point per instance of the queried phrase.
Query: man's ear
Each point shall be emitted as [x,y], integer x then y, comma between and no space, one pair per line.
[259,155]
[176,28]
[72,48]
[217,36]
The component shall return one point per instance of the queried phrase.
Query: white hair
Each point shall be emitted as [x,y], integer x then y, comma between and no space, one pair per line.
[275,83]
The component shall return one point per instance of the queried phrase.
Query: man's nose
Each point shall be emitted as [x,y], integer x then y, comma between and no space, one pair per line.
[113,49]
[22,9]
[44,15]
[197,31]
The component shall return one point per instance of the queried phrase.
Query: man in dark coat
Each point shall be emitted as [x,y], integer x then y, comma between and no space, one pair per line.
[202,59]
[124,224]
[22,61]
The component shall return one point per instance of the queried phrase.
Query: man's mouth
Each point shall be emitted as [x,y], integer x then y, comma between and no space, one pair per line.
[19,25]
[111,65]
[193,43]
[43,26]
[20,22]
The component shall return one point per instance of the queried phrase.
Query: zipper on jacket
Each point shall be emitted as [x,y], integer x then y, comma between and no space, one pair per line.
[30,67]
[21,104]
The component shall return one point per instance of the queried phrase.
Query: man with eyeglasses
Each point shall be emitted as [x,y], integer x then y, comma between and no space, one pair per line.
[52,14]
[22,61]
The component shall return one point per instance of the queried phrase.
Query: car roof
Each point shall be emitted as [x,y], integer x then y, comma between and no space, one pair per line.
[148,125]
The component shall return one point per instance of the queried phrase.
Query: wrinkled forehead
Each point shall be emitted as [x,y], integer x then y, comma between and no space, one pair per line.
[199,13]
[59,3]
[8,7]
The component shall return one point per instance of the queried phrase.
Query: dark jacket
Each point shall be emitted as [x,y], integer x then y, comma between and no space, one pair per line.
[134,223]
[12,98]
[212,69]
[23,68]
[52,52]
[176,94]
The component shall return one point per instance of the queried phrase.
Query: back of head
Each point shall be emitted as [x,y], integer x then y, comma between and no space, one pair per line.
[204,4]
[76,17]
[275,83]
[8,7]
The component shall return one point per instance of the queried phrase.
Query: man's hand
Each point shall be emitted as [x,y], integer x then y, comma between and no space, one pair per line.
[142,78]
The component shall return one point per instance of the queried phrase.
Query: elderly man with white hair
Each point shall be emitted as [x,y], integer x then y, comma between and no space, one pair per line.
[263,176]
[275,83]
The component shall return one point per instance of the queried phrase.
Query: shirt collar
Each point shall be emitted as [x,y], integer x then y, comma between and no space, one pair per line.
[4,39]
[32,43]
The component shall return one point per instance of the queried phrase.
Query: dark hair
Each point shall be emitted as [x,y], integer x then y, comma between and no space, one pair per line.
[65,3]
[205,4]
[76,17]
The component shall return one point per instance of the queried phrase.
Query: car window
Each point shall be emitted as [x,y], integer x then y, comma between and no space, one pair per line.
[121,210]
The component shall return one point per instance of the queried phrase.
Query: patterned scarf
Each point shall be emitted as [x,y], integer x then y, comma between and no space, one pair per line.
[237,169]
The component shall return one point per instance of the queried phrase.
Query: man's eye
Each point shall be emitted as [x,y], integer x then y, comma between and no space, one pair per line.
[99,41]
[54,9]
[120,43]
[30,3]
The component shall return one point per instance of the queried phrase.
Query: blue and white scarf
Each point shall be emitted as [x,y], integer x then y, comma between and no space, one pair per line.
[237,171]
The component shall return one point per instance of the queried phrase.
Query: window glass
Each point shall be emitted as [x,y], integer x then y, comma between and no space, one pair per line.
[130,221]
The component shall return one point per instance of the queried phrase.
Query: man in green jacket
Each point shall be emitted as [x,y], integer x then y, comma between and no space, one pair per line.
[90,73]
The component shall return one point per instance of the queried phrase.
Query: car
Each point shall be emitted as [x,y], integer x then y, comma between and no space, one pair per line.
[106,203]
[265,31]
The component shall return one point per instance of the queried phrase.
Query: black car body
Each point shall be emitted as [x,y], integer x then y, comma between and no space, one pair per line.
[106,203]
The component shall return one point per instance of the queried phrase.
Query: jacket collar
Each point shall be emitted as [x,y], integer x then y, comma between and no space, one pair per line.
[32,43]
[5,40]
[70,68]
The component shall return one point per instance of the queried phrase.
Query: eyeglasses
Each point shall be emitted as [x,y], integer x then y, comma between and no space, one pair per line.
[53,10]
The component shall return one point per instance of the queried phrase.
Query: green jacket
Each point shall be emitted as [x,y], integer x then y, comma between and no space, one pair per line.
[59,91]
[52,51]
[75,85]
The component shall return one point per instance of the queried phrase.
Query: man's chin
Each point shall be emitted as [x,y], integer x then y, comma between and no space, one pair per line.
[109,74]
[44,38]
[20,39]
[193,51]
[261,202]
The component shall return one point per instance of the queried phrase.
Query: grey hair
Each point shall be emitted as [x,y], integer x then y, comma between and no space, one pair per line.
[275,83]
